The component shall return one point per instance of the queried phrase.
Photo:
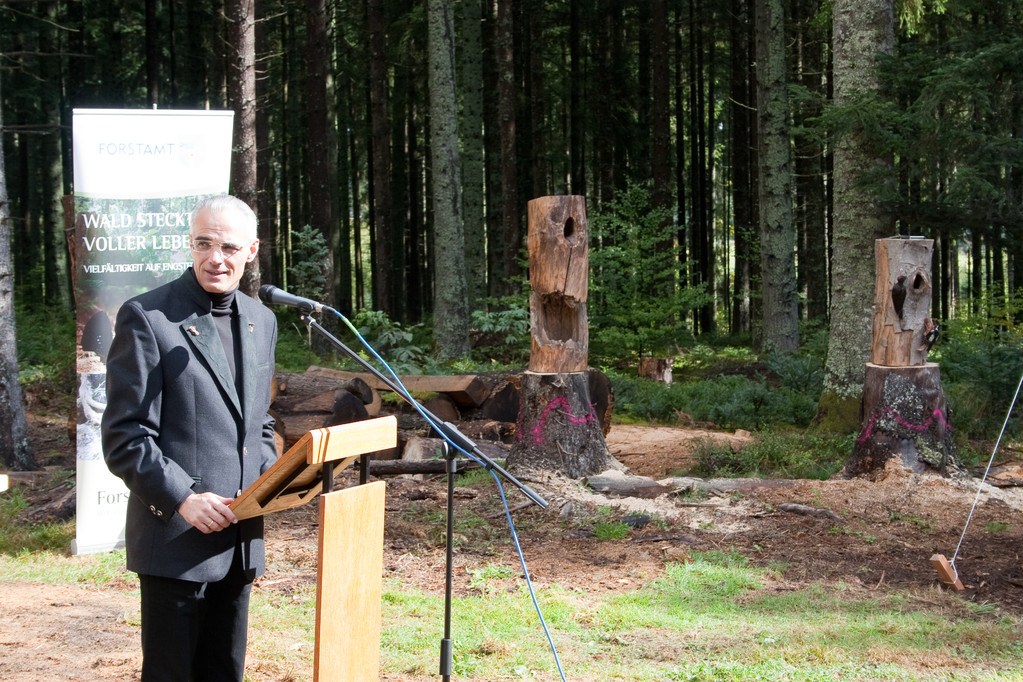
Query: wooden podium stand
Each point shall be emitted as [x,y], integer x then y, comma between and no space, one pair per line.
[351,548]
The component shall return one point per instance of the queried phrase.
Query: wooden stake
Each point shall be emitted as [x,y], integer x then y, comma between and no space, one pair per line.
[948,576]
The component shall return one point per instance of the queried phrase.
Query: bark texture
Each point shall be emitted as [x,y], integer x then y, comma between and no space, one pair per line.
[15,451]
[862,29]
[322,153]
[451,305]
[902,302]
[473,216]
[241,90]
[777,230]
[383,248]
[905,416]
[506,103]
[558,274]
[558,428]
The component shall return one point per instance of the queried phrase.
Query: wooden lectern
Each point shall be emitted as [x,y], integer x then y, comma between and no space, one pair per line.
[351,549]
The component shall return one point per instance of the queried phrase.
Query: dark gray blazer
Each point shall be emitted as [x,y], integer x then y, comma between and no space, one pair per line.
[175,425]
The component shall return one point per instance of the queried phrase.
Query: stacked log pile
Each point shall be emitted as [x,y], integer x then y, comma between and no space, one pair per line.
[484,407]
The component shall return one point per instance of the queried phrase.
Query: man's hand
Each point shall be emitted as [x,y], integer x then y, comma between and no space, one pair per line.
[208,512]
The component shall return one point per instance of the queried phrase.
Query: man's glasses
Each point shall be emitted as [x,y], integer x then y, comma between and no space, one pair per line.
[201,245]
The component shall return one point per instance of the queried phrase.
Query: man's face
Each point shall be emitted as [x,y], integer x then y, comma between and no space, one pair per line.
[221,247]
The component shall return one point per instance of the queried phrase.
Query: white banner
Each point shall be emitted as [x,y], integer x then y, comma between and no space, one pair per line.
[137,174]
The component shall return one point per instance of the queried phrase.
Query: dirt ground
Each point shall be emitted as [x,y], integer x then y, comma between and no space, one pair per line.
[872,537]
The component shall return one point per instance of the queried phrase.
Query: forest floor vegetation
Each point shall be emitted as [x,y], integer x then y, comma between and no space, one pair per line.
[717,584]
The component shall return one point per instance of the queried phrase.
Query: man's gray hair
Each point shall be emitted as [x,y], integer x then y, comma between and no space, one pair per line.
[225,202]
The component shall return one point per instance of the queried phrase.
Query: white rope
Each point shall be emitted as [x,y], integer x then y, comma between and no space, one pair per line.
[990,461]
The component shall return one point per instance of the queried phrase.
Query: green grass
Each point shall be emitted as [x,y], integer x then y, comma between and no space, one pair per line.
[610,530]
[18,538]
[712,618]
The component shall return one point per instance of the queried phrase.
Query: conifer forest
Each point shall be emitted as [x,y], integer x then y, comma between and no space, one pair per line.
[738,158]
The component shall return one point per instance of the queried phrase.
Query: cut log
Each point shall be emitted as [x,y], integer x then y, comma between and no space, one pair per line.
[443,407]
[658,369]
[399,467]
[467,390]
[359,388]
[347,408]
[503,403]
[320,402]
[623,485]
[794,508]
[904,416]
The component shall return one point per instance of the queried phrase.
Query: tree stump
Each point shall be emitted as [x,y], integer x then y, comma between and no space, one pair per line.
[658,369]
[904,416]
[903,407]
[558,429]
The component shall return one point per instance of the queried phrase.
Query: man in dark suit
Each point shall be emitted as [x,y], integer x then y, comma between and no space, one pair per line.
[187,428]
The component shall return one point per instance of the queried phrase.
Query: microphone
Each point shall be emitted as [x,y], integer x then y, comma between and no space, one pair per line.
[270,294]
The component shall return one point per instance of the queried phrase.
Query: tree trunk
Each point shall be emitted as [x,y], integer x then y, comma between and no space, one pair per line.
[50,182]
[538,101]
[558,425]
[576,110]
[383,255]
[154,42]
[472,157]
[809,167]
[322,153]
[903,404]
[742,151]
[506,94]
[241,84]
[558,274]
[15,451]
[451,313]
[777,233]
[861,30]
[660,139]
[266,177]
[558,428]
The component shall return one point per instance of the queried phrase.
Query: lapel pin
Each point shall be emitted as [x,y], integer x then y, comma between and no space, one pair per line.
[193,331]
[251,327]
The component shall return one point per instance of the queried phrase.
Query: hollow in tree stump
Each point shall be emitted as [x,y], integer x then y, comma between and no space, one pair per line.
[558,428]
[902,302]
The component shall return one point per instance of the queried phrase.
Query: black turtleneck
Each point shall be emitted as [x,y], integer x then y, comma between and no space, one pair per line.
[225,316]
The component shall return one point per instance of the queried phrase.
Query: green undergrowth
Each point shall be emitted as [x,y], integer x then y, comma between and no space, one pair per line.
[716,616]
[775,454]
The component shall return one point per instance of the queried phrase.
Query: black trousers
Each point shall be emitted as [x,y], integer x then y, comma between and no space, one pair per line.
[195,632]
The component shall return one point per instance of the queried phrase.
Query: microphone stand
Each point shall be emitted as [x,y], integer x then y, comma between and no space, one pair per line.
[451,434]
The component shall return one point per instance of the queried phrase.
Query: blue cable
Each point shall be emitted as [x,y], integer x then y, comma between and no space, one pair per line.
[504,500]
